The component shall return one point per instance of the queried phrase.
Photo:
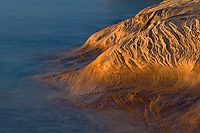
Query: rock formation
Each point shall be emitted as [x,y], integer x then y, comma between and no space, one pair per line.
[147,64]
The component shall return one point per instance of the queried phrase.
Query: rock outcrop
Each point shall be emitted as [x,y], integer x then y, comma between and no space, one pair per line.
[148,64]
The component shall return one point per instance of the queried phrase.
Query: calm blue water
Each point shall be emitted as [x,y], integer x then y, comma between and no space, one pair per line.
[34,31]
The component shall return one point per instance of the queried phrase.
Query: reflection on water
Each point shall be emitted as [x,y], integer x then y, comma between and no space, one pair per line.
[30,33]
[36,107]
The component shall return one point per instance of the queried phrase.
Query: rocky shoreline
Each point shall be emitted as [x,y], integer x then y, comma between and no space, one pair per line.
[147,64]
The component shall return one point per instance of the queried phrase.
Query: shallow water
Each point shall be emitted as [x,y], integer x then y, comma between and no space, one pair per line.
[33,32]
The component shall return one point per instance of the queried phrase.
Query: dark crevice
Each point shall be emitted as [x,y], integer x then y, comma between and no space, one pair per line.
[156,13]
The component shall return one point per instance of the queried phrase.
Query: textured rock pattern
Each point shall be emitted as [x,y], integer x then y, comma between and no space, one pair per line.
[148,64]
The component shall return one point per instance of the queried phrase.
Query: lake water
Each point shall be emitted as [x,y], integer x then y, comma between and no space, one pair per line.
[33,32]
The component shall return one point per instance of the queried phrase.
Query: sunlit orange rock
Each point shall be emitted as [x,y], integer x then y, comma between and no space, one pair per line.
[147,64]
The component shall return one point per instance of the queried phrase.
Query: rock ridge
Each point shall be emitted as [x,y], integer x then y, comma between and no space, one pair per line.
[147,64]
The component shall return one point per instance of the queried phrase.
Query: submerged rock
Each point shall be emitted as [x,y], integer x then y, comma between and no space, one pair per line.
[147,64]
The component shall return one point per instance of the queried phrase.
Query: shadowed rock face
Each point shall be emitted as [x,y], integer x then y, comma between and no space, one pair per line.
[148,64]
